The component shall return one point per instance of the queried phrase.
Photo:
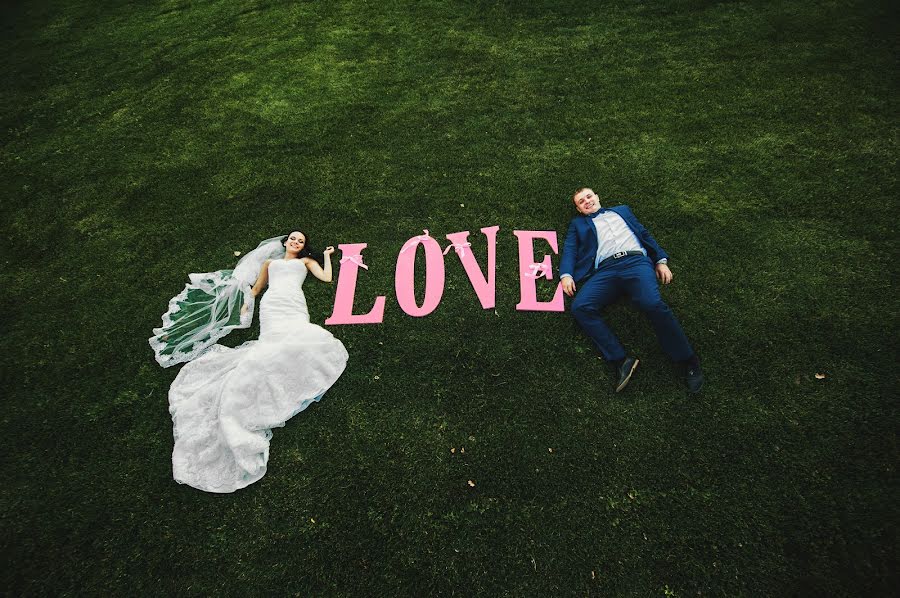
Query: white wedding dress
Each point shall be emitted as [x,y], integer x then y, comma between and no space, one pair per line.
[225,402]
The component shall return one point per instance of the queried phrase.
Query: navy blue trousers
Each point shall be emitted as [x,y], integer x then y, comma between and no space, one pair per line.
[635,276]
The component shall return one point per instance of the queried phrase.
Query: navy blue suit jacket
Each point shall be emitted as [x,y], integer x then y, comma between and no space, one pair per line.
[580,248]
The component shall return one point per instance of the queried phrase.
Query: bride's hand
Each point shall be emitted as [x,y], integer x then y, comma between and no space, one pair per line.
[329,250]
[244,310]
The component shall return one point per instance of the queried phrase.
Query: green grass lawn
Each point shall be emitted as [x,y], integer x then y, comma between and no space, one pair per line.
[756,140]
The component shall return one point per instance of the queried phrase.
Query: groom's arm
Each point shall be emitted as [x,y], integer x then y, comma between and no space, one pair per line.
[570,249]
[567,262]
[657,254]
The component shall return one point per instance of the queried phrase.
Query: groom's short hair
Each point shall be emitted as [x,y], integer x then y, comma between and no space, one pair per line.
[577,191]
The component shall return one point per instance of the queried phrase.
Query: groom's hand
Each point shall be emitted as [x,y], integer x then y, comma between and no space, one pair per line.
[663,273]
[568,285]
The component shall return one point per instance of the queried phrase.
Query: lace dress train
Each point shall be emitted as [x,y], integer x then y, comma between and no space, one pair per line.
[225,403]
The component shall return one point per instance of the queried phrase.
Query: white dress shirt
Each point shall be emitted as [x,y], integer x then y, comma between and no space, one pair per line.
[613,236]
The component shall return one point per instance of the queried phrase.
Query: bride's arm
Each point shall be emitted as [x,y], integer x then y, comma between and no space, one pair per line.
[314,267]
[261,281]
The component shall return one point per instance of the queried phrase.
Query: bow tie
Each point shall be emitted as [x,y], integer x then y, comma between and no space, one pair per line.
[597,213]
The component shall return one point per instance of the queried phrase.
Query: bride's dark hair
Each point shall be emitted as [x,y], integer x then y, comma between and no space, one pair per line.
[307,250]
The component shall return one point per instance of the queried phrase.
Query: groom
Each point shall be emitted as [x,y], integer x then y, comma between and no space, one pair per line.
[608,252]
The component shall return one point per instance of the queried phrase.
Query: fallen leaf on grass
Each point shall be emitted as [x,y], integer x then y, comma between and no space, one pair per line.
[471,484]
[820,376]
[237,253]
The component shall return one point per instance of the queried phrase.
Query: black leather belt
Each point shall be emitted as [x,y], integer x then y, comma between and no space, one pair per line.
[619,255]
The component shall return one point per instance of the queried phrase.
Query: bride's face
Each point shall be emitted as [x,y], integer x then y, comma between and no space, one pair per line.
[295,242]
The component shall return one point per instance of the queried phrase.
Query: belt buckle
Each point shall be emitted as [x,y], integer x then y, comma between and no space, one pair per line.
[620,254]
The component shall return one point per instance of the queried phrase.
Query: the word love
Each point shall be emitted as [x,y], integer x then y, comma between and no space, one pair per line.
[483,284]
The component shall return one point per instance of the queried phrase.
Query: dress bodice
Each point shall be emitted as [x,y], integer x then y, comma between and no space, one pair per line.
[286,275]
[283,306]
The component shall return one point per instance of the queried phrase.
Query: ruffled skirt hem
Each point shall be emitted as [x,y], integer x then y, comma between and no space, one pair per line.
[225,404]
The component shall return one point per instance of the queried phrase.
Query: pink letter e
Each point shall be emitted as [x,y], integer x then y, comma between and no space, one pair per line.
[529,272]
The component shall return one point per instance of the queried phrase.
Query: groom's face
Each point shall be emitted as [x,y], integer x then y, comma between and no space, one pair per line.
[586,201]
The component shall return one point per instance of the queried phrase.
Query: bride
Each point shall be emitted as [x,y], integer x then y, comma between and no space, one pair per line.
[225,401]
